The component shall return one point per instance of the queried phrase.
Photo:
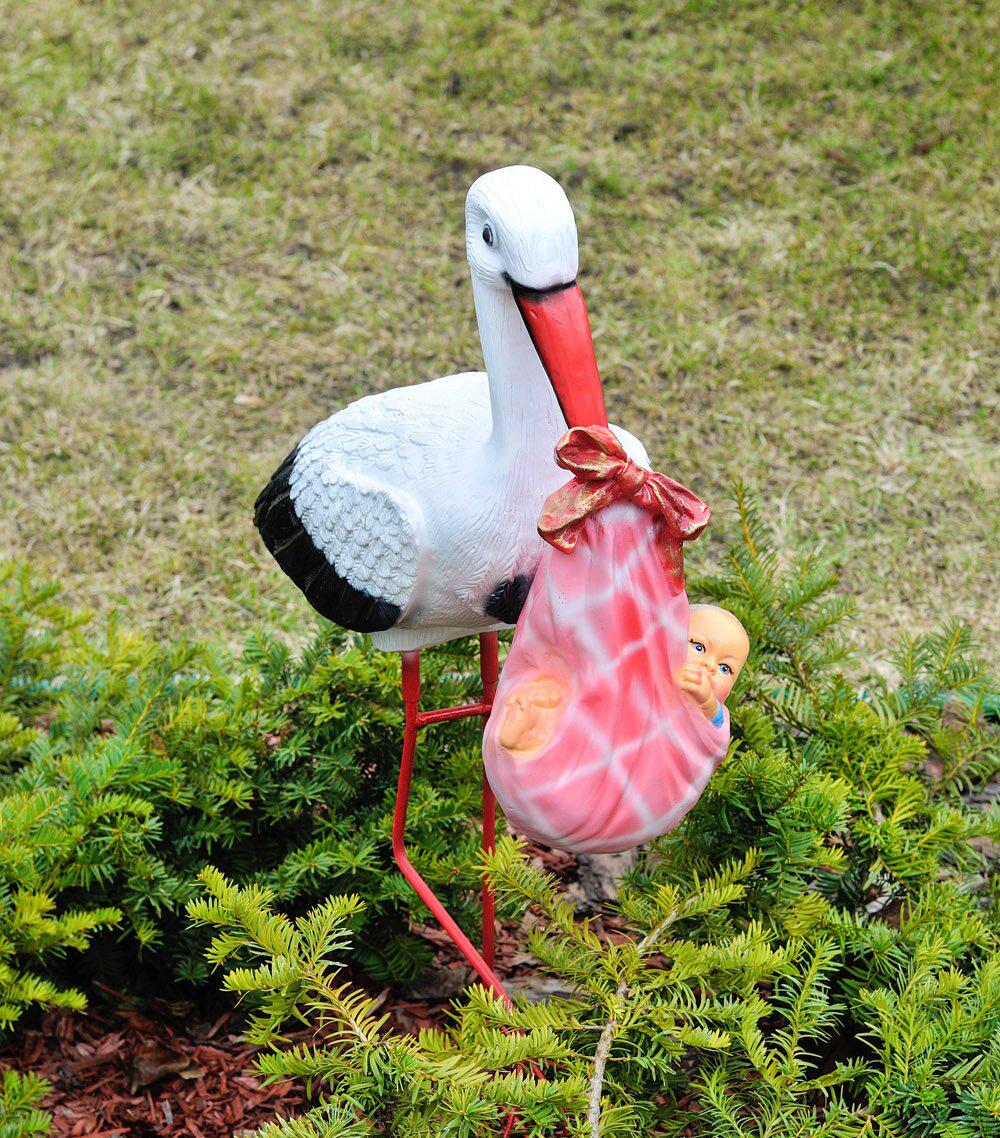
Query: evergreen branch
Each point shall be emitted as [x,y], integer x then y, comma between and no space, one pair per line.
[645,945]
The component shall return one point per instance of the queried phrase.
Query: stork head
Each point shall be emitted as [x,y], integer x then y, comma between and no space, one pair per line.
[520,236]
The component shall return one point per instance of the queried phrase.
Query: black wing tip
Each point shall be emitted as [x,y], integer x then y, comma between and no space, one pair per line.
[290,544]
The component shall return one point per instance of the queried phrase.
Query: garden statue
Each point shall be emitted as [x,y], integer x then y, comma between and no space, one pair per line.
[412,515]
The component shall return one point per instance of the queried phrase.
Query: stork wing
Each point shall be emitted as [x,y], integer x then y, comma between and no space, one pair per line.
[368,531]
[339,515]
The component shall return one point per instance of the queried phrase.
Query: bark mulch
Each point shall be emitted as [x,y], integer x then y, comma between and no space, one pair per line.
[155,1068]
[118,1071]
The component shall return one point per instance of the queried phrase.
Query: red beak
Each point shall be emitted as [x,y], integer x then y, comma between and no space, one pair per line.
[558,325]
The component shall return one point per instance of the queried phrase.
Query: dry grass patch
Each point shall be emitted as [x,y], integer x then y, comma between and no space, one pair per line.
[221,222]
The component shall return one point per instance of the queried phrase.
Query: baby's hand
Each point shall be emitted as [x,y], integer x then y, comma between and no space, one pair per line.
[696,680]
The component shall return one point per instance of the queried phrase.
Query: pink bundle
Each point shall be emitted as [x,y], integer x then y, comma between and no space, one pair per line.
[591,746]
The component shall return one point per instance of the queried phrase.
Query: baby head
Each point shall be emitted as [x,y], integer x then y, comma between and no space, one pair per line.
[718,643]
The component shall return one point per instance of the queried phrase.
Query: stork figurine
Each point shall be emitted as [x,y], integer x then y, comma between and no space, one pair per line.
[411,514]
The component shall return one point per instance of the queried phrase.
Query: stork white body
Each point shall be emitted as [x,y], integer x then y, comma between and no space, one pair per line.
[425,498]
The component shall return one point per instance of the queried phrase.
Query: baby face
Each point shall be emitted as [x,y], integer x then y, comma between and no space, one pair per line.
[718,644]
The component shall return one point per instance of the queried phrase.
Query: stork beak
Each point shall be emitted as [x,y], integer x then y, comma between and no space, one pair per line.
[557,322]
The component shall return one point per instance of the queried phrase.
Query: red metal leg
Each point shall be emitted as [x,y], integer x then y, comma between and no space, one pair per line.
[415,719]
[490,672]
[489,899]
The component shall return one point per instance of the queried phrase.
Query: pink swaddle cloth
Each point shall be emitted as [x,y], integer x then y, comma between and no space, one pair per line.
[607,751]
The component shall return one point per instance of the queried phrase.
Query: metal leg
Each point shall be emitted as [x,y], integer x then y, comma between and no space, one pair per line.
[489,670]
[482,963]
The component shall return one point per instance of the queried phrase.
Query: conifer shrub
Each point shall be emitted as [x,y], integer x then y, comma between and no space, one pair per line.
[128,765]
[814,951]
[33,630]
[20,1114]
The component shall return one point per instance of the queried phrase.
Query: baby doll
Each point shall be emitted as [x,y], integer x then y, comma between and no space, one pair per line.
[718,647]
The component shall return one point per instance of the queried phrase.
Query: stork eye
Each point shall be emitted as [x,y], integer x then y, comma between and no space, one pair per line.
[488,235]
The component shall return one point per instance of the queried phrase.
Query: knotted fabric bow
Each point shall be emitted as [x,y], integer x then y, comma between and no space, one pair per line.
[603,474]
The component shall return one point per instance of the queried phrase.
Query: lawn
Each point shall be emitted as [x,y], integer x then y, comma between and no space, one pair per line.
[220,222]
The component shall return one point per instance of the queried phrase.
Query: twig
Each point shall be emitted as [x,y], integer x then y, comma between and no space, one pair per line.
[608,1034]
[600,1061]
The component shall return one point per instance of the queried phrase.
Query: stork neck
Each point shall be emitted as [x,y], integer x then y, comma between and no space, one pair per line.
[526,415]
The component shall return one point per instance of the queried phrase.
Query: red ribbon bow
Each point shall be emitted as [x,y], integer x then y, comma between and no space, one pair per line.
[603,474]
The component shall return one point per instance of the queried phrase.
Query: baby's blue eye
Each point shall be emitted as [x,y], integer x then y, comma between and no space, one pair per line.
[725,669]
[698,646]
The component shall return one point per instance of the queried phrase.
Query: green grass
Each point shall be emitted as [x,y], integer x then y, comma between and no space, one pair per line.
[220,222]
